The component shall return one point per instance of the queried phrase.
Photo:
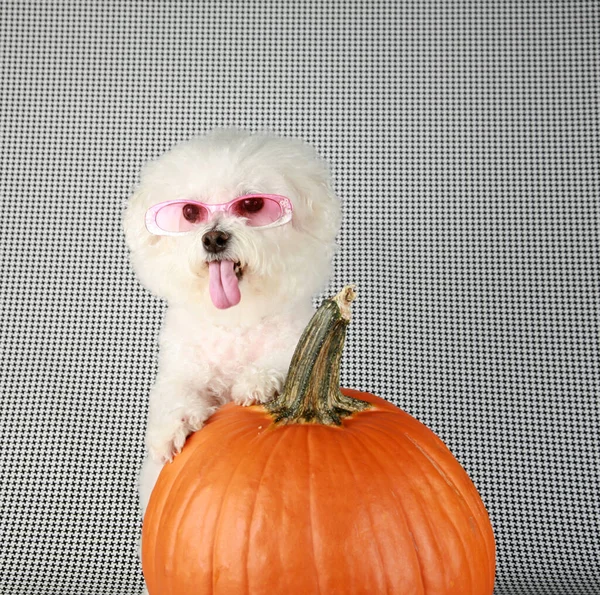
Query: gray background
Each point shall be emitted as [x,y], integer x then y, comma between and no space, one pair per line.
[464,142]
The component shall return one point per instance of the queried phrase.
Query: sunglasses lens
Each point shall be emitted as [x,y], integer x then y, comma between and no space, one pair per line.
[180,216]
[257,210]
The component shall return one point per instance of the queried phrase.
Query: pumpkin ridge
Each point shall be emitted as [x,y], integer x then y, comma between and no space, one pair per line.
[151,510]
[446,515]
[252,515]
[476,508]
[361,437]
[447,479]
[187,468]
[172,487]
[449,517]
[475,514]
[225,493]
[311,510]
[179,481]
[341,443]
[433,462]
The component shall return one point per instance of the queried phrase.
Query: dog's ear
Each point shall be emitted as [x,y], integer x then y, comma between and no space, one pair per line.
[322,215]
[149,255]
[133,220]
[317,209]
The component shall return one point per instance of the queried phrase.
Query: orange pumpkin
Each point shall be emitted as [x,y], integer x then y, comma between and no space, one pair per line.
[320,491]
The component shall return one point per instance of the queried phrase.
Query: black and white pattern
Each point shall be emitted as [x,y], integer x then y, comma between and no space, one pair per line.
[464,142]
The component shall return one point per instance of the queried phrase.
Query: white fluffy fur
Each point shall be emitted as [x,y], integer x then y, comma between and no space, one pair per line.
[210,356]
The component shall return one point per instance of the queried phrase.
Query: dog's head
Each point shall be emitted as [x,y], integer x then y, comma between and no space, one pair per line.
[224,262]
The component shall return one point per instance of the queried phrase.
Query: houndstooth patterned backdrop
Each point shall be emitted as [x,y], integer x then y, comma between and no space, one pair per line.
[464,142]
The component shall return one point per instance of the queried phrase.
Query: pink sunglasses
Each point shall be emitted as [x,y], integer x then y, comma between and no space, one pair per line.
[181,216]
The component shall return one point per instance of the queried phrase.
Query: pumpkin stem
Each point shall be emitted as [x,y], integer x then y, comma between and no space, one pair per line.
[311,393]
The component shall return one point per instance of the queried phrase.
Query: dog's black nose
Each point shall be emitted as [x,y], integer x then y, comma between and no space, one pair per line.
[215,241]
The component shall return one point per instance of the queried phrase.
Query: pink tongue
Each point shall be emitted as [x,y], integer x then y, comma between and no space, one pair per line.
[223,284]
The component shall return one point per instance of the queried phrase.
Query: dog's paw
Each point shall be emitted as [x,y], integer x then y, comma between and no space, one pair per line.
[254,386]
[166,439]
[165,442]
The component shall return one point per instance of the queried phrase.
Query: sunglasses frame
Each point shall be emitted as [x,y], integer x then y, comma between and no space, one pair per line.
[151,225]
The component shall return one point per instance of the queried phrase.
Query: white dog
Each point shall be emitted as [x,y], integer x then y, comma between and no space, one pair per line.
[238,275]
